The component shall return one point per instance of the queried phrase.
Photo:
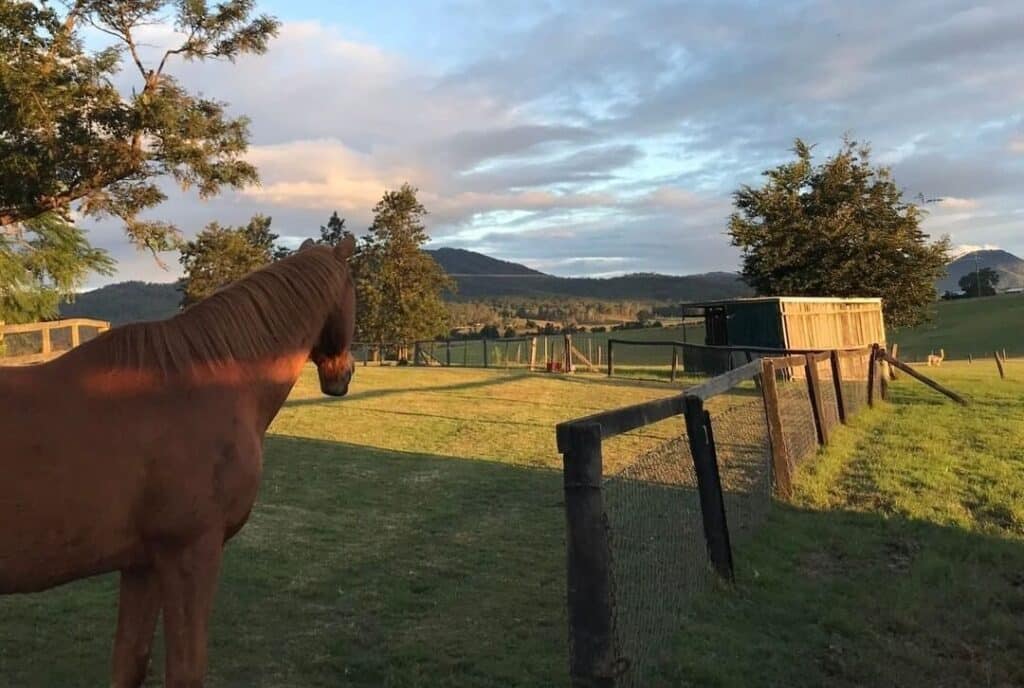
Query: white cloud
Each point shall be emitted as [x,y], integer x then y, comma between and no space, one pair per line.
[619,131]
[954,203]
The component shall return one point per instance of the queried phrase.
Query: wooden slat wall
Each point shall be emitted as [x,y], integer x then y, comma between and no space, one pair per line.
[832,324]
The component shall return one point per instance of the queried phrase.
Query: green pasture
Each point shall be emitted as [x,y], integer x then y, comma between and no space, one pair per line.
[412,534]
[975,327]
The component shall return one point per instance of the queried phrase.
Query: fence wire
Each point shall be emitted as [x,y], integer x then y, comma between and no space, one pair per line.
[659,558]
[853,366]
[798,430]
[743,449]
[827,388]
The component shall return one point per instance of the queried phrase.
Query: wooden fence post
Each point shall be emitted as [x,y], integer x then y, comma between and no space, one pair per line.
[709,486]
[999,364]
[416,353]
[533,353]
[780,453]
[837,382]
[76,336]
[872,368]
[47,342]
[611,366]
[814,392]
[588,557]
[675,362]
[567,354]
[485,352]
[894,354]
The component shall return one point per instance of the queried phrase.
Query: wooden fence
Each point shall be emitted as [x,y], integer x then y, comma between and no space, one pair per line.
[18,345]
[779,411]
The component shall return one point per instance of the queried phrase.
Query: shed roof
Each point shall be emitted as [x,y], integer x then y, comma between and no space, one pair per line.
[787,299]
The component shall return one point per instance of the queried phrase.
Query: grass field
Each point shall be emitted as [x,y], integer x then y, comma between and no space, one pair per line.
[968,326]
[412,534]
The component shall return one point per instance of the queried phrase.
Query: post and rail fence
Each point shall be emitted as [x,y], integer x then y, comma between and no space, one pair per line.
[644,538]
[40,342]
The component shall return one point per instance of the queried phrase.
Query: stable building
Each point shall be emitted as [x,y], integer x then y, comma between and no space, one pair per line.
[784,322]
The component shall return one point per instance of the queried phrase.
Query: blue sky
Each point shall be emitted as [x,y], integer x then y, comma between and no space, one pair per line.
[603,137]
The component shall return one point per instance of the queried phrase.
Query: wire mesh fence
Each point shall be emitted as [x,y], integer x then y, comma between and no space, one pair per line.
[830,417]
[647,538]
[657,558]
[853,366]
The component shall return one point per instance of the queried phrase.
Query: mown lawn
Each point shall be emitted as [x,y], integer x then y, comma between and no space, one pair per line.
[899,563]
[412,535]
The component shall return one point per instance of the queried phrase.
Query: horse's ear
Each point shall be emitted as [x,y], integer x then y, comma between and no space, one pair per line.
[308,243]
[345,248]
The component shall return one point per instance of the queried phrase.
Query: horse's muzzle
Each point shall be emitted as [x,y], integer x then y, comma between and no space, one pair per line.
[334,382]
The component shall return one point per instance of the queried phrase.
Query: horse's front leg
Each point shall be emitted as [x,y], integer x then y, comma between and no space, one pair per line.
[188,579]
[138,609]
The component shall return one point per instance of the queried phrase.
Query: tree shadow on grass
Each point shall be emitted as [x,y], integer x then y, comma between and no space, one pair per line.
[359,567]
[845,598]
[387,392]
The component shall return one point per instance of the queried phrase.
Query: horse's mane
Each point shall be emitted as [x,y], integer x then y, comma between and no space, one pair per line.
[271,311]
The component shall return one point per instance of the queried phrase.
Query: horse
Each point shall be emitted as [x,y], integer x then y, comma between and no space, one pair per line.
[140,451]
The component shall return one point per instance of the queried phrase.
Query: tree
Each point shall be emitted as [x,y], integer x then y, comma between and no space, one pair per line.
[840,228]
[399,286]
[69,136]
[979,282]
[335,230]
[220,255]
[41,261]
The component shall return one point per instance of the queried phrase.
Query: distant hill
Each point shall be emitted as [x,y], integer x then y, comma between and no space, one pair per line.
[125,302]
[478,277]
[458,262]
[1009,267]
[652,287]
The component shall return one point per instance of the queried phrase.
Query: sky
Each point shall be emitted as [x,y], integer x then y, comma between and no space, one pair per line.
[601,138]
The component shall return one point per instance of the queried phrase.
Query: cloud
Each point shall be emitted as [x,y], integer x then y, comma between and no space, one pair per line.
[575,133]
[954,203]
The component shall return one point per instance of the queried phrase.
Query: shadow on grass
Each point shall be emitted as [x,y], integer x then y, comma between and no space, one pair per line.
[391,391]
[359,567]
[844,598]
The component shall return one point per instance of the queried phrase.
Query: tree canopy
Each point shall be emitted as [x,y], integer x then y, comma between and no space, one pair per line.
[41,261]
[71,139]
[981,282]
[399,286]
[839,228]
[221,255]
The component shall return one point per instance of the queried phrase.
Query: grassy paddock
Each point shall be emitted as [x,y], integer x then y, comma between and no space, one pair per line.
[899,563]
[412,535]
[408,535]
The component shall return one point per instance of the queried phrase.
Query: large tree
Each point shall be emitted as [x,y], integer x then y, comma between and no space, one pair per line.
[71,138]
[839,228]
[41,261]
[221,255]
[399,286]
[979,282]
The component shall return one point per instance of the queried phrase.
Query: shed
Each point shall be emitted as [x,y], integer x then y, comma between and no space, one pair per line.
[791,322]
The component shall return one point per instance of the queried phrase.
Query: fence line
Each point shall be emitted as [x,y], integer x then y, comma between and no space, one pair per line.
[642,541]
[20,346]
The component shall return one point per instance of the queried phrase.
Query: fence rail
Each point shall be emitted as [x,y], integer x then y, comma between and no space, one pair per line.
[642,540]
[31,343]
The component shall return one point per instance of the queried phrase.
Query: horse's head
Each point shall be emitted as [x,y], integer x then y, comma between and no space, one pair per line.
[332,351]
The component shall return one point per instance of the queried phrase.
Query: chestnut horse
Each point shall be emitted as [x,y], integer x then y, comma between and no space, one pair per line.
[141,450]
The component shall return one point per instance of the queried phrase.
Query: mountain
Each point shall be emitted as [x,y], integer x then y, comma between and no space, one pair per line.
[1009,267]
[458,262]
[477,276]
[125,302]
